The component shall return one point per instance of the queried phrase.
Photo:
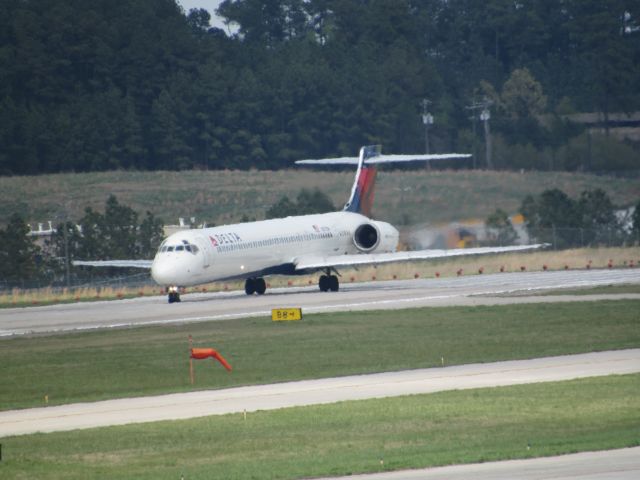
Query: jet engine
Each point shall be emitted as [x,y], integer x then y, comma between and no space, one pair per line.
[376,236]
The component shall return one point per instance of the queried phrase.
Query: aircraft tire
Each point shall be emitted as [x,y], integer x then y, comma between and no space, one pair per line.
[323,283]
[249,286]
[260,286]
[334,284]
[174,297]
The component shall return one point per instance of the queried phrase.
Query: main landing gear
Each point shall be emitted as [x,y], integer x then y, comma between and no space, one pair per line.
[174,294]
[255,285]
[328,282]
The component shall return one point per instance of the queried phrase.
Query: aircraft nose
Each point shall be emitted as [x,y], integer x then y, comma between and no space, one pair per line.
[175,270]
[163,273]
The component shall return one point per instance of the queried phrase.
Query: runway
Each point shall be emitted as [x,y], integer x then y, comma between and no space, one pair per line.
[199,307]
[314,392]
[622,464]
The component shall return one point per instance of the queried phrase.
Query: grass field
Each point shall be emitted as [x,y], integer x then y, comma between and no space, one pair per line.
[154,360]
[402,197]
[349,437]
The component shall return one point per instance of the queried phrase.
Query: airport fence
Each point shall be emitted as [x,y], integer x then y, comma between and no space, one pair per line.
[98,283]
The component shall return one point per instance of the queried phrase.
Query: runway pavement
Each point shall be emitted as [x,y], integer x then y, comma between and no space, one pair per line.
[313,392]
[198,307]
[622,464]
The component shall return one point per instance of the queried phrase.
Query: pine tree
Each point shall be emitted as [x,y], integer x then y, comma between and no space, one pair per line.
[19,256]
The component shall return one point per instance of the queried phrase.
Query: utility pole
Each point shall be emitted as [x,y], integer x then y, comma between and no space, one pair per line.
[63,215]
[427,120]
[485,115]
[66,253]
[473,119]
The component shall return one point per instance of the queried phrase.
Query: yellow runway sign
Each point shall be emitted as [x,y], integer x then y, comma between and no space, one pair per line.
[286,314]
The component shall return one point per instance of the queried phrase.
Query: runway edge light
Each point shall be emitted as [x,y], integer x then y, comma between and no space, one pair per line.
[286,314]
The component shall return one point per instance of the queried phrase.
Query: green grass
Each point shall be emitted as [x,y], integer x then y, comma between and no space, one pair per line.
[226,196]
[349,437]
[153,360]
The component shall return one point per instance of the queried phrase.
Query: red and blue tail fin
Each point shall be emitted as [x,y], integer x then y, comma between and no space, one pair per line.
[362,192]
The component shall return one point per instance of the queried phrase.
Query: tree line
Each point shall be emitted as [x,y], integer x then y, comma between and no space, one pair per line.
[115,234]
[140,84]
[555,218]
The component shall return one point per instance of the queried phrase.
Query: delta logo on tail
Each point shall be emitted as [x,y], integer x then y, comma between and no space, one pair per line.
[362,196]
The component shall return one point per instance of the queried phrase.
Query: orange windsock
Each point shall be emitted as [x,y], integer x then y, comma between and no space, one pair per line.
[202,353]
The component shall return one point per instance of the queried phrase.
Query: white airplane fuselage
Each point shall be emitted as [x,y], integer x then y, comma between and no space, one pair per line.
[292,245]
[256,249]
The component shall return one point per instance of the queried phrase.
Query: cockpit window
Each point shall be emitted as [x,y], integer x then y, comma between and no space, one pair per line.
[186,246]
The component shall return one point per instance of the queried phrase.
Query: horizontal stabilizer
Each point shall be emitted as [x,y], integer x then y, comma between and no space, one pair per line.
[383,159]
[318,262]
[114,263]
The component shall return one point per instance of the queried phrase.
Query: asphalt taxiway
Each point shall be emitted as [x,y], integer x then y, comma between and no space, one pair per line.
[199,307]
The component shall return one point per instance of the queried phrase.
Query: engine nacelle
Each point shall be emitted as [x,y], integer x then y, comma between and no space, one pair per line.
[376,236]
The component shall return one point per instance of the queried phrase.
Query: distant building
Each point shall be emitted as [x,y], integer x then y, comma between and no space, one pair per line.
[41,234]
[183,225]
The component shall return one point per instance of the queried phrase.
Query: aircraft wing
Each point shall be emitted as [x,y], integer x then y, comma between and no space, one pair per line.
[314,262]
[382,159]
[114,263]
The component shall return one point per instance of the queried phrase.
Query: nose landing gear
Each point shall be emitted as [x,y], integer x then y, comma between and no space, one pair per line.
[173,294]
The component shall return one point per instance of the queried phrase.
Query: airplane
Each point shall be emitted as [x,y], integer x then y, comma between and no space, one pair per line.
[296,245]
